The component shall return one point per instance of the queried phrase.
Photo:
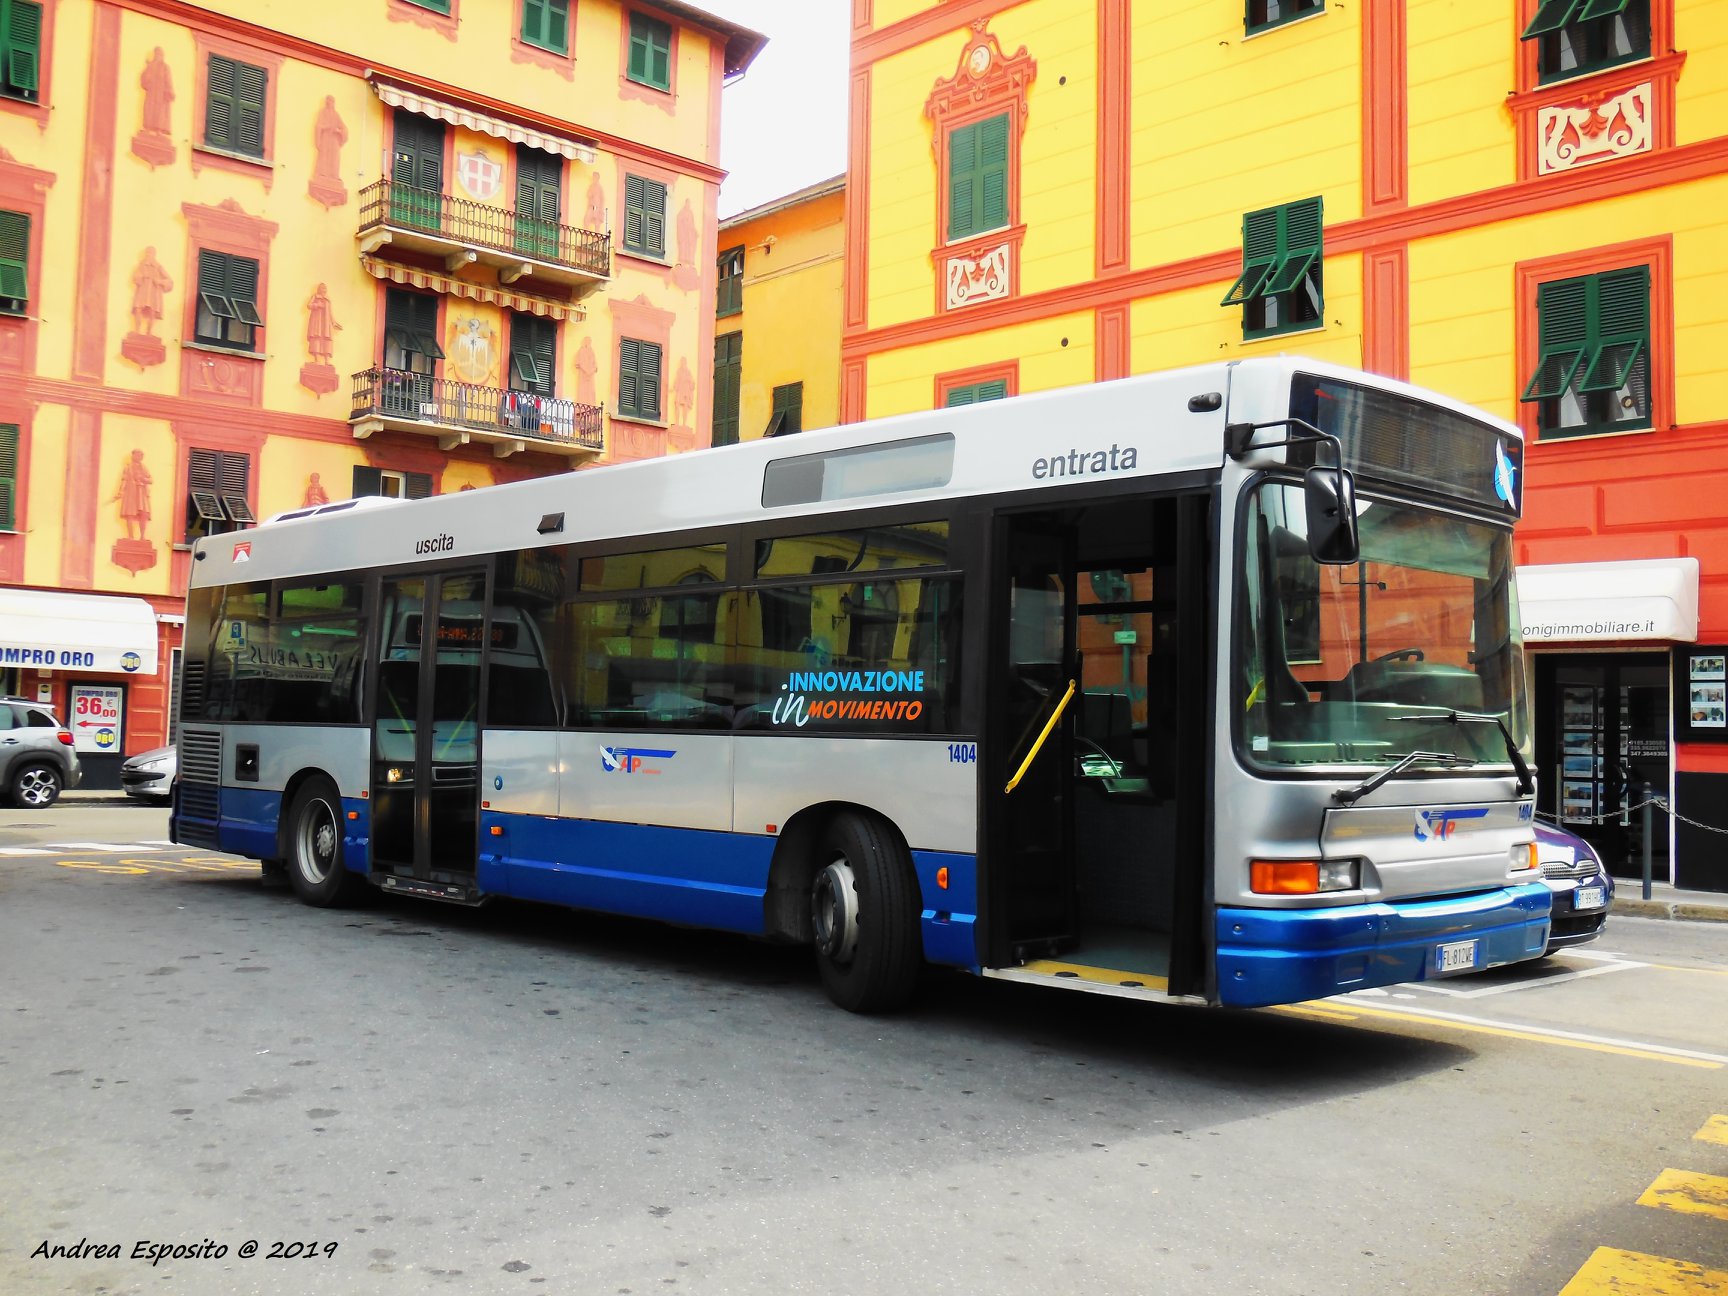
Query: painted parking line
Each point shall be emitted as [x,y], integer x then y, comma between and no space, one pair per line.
[1612,1272]
[1715,1131]
[1688,1192]
[1466,990]
[1535,1034]
[124,848]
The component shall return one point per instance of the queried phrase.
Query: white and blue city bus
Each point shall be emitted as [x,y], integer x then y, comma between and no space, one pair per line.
[1200,686]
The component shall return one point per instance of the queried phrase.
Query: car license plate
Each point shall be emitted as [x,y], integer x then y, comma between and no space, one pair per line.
[1590,897]
[1456,956]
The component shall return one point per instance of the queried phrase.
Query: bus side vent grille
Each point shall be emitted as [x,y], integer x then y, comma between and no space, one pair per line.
[198,802]
[200,757]
[192,690]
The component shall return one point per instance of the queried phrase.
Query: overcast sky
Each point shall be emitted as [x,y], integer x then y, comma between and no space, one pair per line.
[783,124]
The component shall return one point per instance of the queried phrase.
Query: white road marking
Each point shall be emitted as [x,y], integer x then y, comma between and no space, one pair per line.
[1463,990]
[107,847]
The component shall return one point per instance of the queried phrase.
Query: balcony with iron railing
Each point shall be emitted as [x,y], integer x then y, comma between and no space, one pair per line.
[463,231]
[458,413]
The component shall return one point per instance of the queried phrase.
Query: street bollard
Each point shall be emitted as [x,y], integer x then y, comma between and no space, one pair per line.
[1645,789]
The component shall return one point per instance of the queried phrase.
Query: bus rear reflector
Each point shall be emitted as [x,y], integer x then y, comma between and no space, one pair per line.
[942,878]
[1284,877]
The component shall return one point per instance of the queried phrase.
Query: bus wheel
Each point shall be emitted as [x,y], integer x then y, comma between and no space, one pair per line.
[864,906]
[314,843]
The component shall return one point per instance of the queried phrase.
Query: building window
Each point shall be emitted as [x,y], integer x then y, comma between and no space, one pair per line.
[787,416]
[639,380]
[546,23]
[411,332]
[972,393]
[436,6]
[539,178]
[728,384]
[644,216]
[1262,14]
[227,301]
[650,52]
[1280,287]
[9,436]
[14,262]
[20,49]
[234,106]
[390,484]
[1577,37]
[978,177]
[216,489]
[533,351]
[1593,367]
[729,295]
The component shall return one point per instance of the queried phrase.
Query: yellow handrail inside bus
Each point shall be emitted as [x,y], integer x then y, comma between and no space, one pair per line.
[1038,745]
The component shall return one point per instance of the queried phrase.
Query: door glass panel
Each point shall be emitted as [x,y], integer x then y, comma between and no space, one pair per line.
[452,767]
[401,608]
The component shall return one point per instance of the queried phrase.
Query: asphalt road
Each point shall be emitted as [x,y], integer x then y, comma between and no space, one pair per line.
[521,1099]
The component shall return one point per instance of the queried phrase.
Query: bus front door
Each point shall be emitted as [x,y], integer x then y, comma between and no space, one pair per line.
[425,733]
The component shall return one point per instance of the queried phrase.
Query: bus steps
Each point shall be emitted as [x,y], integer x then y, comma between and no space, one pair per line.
[420,889]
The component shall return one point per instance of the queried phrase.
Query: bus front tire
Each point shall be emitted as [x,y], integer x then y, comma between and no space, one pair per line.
[314,848]
[864,905]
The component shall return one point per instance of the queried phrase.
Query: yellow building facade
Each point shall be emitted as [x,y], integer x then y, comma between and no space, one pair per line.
[257,257]
[1518,204]
[780,271]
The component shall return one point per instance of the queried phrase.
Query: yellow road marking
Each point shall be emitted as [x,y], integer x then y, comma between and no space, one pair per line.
[1689,1192]
[140,867]
[1715,1130]
[1611,1272]
[1316,1012]
[1538,1037]
[102,868]
[1675,967]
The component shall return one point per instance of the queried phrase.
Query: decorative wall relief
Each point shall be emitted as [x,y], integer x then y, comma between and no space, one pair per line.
[685,271]
[980,277]
[318,375]
[133,551]
[329,134]
[315,493]
[594,213]
[150,284]
[479,174]
[586,367]
[154,143]
[1594,128]
[683,397]
[472,350]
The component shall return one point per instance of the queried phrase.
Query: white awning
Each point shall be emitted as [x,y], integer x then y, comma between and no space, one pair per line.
[1649,599]
[415,101]
[45,630]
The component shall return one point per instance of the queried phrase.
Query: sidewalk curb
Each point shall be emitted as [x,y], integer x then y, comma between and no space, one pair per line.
[1671,909]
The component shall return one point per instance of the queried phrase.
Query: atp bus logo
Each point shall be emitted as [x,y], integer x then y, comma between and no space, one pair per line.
[1438,825]
[632,760]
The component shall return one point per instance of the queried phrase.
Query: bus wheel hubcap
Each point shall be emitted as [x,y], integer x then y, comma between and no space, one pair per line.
[834,907]
[317,842]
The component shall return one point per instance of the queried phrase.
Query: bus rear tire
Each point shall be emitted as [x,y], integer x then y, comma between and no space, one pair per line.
[314,848]
[864,907]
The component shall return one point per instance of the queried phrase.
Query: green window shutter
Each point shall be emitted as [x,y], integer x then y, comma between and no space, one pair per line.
[367,481]
[962,181]
[1592,9]
[1563,336]
[1299,246]
[728,385]
[416,485]
[533,353]
[729,289]
[250,84]
[993,173]
[547,23]
[650,52]
[638,379]
[644,215]
[629,356]
[973,393]
[14,259]
[787,416]
[9,436]
[1259,255]
[648,381]
[21,46]
[219,103]
[995,389]
[1622,333]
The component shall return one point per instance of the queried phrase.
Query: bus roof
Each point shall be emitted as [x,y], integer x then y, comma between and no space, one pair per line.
[1128,428]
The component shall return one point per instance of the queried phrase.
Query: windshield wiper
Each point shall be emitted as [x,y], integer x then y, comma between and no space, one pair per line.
[1526,780]
[1446,760]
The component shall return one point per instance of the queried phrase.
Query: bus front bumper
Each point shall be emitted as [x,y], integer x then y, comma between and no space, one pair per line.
[1274,956]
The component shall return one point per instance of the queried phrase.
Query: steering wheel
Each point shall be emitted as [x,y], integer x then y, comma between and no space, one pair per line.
[1402,654]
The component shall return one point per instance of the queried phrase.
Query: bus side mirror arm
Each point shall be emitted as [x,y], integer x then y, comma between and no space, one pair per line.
[1329,494]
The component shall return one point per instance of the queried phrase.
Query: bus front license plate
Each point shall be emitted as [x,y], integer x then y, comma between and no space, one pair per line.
[1457,956]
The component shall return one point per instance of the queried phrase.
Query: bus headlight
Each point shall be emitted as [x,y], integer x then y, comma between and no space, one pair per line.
[1302,877]
[1523,858]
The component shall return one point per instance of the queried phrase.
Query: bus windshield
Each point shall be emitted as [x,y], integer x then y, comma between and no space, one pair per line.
[1364,664]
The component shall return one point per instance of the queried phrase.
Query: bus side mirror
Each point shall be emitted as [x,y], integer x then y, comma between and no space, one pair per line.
[1329,496]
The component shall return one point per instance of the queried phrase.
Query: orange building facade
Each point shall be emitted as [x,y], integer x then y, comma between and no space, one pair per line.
[1517,204]
[255,258]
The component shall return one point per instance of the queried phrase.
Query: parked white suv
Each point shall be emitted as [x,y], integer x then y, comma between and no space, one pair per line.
[36,755]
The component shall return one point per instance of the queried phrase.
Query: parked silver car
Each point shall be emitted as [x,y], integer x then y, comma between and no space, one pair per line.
[36,756]
[149,776]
